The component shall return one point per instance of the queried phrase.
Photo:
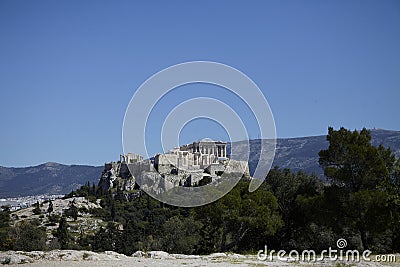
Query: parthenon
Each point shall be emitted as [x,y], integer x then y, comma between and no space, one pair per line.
[195,164]
[197,155]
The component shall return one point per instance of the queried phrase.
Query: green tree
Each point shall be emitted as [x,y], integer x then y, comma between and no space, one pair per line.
[72,211]
[85,241]
[6,209]
[37,209]
[50,208]
[106,238]
[29,236]
[132,237]
[360,174]
[5,229]
[4,218]
[298,196]
[394,195]
[351,161]
[63,234]
[181,234]
[238,221]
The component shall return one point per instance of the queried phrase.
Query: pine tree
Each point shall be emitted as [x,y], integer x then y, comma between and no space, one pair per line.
[72,211]
[37,209]
[360,173]
[62,233]
[50,208]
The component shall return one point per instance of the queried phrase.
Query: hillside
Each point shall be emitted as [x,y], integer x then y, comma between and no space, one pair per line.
[48,178]
[53,178]
[302,153]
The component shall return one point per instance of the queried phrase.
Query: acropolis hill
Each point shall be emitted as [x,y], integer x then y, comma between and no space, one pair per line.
[196,164]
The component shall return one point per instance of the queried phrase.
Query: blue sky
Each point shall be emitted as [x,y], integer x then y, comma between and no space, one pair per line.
[69,68]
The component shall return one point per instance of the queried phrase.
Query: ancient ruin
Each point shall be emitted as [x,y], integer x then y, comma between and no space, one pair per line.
[196,164]
[195,156]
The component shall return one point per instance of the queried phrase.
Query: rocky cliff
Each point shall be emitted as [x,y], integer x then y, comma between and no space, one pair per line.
[117,176]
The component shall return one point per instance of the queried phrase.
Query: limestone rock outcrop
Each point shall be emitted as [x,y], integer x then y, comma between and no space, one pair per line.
[129,177]
[197,164]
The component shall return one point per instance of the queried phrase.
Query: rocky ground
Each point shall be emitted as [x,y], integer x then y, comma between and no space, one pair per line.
[59,205]
[86,222]
[60,258]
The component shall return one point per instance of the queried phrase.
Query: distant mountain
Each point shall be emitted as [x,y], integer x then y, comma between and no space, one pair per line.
[302,153]
[48,178]
[53,178]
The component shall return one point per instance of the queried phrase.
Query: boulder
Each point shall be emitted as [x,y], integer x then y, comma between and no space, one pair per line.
[15,258]
[138,254]
[185,257]
[236,256]
[162,255]
[217,255]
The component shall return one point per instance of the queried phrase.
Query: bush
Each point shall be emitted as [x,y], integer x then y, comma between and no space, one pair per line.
[53,218]
[7,260]
[83,210]
[28,236]
[92,199]
[72,211]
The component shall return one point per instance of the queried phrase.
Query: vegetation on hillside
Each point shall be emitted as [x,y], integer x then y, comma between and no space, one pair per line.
[361,203]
